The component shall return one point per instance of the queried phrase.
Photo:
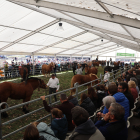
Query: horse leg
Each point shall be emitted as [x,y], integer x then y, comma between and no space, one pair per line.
[26,106]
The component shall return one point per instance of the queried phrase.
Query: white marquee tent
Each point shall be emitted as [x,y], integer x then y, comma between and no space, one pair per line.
[30,27]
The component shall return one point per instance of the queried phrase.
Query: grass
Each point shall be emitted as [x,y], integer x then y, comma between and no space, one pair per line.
[65,81]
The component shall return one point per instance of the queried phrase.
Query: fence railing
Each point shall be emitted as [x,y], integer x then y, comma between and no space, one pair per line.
[112,78]
[34,70]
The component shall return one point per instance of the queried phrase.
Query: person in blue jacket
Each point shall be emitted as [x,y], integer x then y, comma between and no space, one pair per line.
[120,98]
[31,133]
[59,124]
[45,131]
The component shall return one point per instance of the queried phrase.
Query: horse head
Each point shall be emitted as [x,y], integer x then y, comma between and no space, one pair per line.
[42,84]
[86,69]
[52,65]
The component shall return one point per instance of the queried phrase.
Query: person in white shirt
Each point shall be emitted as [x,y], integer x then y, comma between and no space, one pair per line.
[106,77]
[53,85]
[79,71]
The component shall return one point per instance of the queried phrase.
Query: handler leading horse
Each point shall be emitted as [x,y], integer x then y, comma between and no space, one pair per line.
[19,91]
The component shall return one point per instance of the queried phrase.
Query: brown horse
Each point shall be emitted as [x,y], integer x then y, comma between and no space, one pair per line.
[92,70]
[82,79]
[23,71]
[19,91]
[46,69]
[116,63]
[95,64]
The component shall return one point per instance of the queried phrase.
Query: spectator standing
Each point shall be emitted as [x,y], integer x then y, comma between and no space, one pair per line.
[106,77]
[79,70]
[28,67]
[11,70]
[74,67]
[113,125]
[6,70]
[54,85]
[85,128]
[17,71]
[65,107]
[14,69]
[54,69]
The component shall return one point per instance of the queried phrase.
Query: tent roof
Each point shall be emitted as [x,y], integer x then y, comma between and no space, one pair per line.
[31,26]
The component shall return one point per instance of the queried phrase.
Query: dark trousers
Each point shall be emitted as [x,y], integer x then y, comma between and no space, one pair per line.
[52,90]
[74,71]
[55,72]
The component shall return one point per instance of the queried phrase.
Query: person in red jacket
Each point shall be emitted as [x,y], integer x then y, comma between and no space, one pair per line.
[65,107]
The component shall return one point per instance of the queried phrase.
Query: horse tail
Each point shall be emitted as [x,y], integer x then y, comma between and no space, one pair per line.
[72,85]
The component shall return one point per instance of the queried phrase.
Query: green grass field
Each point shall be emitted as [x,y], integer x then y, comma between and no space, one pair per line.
[65,82]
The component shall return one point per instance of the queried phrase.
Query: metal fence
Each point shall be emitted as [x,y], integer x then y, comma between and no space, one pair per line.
[34,70]
[112,78]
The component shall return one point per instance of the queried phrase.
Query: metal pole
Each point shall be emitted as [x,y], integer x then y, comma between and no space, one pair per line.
[50,101]
[76,90]
[3,103]
[91,84]
[33,65]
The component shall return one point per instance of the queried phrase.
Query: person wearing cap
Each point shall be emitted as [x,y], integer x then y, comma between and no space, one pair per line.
[53,85]
[85,128]
[106,77]
[65,107]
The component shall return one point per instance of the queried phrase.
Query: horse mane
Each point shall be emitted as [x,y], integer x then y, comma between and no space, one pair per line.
[93,75]
[51,63]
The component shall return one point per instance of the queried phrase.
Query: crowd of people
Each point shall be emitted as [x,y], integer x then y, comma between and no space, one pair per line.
[73,117]
[12,70]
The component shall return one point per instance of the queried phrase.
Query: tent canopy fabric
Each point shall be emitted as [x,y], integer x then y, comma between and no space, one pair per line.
[89,27]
